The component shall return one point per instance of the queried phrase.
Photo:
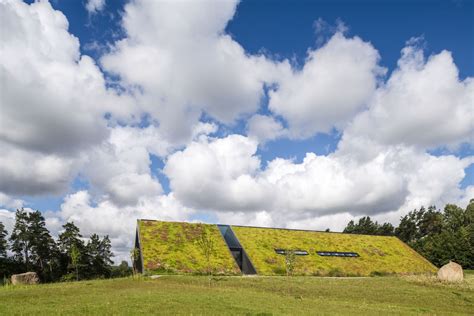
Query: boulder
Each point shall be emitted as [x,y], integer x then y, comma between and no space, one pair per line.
[25,278]
[451,272]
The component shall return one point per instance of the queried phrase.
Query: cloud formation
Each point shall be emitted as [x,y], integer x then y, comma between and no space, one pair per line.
[336,81]
[187,92]
[192,67]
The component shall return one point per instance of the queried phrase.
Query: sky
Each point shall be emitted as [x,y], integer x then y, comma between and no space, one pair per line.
[298,114]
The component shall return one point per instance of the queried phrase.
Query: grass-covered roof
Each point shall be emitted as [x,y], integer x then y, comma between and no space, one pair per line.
[172,247]
[377,254]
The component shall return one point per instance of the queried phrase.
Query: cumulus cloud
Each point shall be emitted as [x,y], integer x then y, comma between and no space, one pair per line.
[66,100]
[265,128]
[225,175]
[336,81]
[24,172]
[177,65]
[217,174]
[424,103]
[188,64]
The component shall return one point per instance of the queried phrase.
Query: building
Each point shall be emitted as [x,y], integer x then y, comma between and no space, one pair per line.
[173,247]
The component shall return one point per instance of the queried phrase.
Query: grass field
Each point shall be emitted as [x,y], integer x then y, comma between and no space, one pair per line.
[242,295]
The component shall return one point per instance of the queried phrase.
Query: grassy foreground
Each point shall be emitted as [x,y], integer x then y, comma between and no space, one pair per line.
[242,295]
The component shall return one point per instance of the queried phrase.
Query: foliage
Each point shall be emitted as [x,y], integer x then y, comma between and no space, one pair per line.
[385,254]
[186,295]
[120,271]
[33,245]
[99,256]
[171,247]
[34,249]
[367,227]
[3,241]
[20,238]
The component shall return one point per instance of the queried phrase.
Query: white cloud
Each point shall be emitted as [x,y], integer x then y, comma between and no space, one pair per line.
[94,6]
[62,111]
[225,175]
[217,174]
[9,202]
[8,219]
[192,66]
[424,103]
[177,64]
[24,172]
[336,82]
[265,128]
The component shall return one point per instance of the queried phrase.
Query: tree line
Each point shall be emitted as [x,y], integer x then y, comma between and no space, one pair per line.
[440,236]
[69,257]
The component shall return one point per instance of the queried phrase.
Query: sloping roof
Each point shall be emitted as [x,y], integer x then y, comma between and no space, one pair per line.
[377,254]
[171,247]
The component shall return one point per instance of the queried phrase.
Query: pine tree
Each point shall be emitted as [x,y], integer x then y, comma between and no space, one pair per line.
[42,246]
[20,238]
[3,241]
[71,245]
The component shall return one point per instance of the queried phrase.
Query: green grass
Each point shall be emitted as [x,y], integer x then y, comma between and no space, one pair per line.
[171,247]
[242,295]
[379,255]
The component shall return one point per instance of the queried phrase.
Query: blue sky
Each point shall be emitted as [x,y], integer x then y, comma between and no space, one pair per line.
[286,113]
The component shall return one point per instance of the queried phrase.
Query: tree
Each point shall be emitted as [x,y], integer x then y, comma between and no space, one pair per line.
[43,248]
[122,270]
[407,230]
[367,227]
[68,240]
[3,241]
[386,229]
[100,256]
[20,238]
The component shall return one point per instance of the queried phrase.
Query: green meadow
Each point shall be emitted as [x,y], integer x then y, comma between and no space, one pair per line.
[173,294]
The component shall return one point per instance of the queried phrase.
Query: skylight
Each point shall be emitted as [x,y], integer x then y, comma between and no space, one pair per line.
[337,254]
[297,252]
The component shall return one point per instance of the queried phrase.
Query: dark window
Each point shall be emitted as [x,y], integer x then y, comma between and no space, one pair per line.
[337,254]
[297,252]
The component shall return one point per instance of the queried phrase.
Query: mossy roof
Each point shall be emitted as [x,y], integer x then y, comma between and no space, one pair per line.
[171,247]
[378,254]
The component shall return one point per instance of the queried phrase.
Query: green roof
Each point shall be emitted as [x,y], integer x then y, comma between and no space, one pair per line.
[377,254]
[171,247]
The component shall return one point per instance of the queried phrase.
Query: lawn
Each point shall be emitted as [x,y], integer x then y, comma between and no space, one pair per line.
[242,295]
